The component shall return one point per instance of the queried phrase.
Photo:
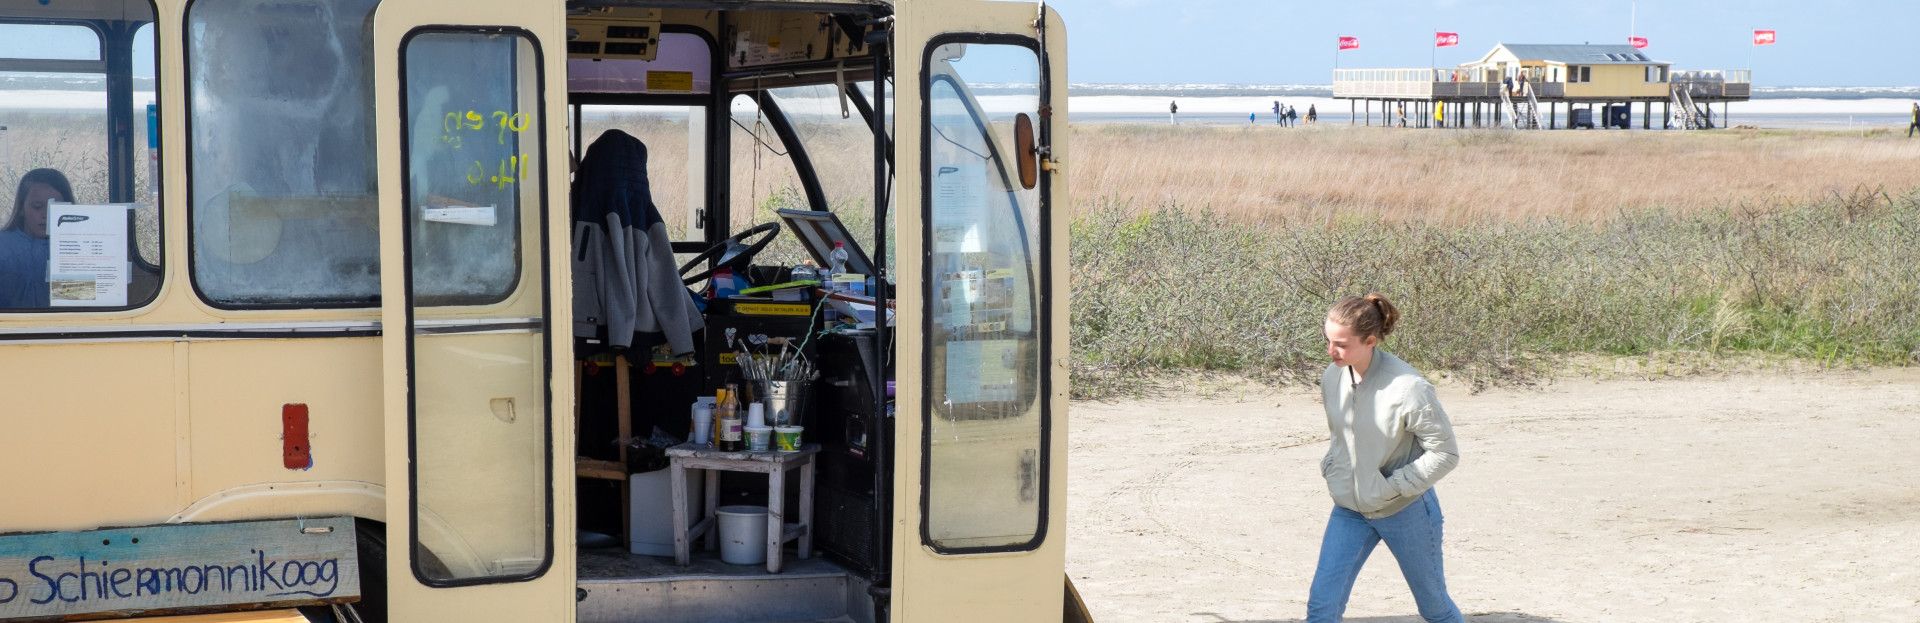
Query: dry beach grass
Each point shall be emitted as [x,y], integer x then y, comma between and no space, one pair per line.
[1451,176]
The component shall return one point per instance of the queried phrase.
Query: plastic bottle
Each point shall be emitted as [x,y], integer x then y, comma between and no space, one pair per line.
[838,261]
[836,265]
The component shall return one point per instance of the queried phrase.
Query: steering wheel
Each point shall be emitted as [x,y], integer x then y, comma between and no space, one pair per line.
[734,252]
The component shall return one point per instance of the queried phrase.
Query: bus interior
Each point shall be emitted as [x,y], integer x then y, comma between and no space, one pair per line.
[743,114]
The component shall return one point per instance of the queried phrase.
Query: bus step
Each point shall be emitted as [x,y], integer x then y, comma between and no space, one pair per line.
[641,588]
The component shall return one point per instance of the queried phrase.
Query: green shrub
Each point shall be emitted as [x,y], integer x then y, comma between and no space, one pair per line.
[1176,290]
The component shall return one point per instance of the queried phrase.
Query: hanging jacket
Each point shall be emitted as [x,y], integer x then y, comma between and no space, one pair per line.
[624,279]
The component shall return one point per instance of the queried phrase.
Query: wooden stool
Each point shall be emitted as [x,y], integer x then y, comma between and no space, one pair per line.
[774,464]
[584,467]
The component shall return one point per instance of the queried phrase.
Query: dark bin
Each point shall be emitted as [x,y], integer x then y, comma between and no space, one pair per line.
[1619,116]
[1580,118]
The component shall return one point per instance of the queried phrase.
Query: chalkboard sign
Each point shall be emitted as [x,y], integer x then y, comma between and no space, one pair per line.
[177,568]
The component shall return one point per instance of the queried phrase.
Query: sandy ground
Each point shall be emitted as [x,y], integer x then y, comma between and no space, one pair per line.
[1748,498]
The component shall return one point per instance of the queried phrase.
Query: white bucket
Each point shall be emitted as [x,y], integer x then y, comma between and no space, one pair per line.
[650,527]
[743,534]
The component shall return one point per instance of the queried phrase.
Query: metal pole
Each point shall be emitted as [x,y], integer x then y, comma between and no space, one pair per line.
[881,589]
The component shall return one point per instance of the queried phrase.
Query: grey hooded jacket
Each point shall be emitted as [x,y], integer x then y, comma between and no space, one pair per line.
[1391,440]
[624,278]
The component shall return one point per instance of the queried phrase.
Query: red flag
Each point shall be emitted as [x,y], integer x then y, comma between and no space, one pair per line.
[1764,37]
[1446,39]
[1349,43]
[1637,42]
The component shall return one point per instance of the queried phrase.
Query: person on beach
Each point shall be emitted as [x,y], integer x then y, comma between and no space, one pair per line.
[1253,118]
[1915,124]
[1278,119]
[1391,442]
[1173,112]
[1313,116]
[1293,116]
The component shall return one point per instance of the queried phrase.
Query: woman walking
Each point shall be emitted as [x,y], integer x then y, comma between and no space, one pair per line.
[1391,443]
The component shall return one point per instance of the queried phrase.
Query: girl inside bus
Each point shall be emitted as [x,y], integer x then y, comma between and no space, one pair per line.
[23,240]
[1391,443]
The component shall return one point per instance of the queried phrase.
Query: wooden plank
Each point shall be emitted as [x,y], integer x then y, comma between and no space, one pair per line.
[624,397]
[252,616]
[677,483]
[595,468]
[177,568]
[806,509]
[776,517]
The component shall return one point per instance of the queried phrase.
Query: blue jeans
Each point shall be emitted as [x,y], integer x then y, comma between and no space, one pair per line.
[1413,534]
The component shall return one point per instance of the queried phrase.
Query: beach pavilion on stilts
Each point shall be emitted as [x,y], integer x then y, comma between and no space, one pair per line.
[1525,86]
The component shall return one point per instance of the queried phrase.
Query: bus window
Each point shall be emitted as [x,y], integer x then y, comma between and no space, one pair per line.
[986,386]
[675,132]
[146,137]
[764,181]
[281,152]
[470,158]
[841,151]
[74,96]
[676,173]
[479,465]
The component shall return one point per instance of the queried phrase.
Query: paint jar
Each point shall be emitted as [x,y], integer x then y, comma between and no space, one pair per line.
[787,438]
[759,438]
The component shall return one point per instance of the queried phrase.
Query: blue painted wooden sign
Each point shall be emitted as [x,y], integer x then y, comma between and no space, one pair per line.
[177,568]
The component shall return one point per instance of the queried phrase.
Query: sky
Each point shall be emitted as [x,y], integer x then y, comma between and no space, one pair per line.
[1821,42]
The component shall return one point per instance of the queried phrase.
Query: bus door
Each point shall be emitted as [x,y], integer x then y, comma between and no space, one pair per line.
[980,480]
[476,407]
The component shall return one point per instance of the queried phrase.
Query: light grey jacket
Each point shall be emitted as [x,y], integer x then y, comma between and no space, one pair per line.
[1391,440]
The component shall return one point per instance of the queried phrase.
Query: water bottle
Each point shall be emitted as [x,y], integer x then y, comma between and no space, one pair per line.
[838,261]
[836,266]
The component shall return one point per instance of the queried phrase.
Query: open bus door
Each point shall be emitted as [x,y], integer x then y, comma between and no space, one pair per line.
[980,510]
[476,407]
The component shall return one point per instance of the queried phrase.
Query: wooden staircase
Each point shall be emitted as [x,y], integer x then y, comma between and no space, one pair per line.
[1690,114]
[1526,113]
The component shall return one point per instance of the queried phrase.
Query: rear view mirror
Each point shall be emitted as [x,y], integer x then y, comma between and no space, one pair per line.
[1027,151]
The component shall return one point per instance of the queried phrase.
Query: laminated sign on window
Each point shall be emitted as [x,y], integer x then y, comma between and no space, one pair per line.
[87,255]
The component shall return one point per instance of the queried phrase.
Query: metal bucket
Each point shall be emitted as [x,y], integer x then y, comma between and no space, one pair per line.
[786,402]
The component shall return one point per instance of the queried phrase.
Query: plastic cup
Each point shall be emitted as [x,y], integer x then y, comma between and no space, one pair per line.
[756,415]
[787,438]
[759,438]
[702,423]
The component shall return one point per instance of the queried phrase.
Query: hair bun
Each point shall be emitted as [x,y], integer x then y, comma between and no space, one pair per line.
[1369,316]
[1389,315]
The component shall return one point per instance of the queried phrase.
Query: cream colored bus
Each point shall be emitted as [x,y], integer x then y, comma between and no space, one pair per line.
[285,291]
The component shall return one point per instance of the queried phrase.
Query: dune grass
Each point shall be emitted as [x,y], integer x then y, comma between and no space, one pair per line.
[1453,176]
[1497,292]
